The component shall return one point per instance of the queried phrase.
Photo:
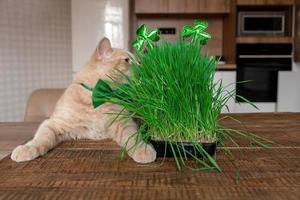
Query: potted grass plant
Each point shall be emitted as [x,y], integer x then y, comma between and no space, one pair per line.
[172,92]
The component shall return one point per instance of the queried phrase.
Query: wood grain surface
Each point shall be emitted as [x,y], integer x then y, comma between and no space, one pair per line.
[266,2]
[179,6]
[13,134]
[91,170]
[264,40]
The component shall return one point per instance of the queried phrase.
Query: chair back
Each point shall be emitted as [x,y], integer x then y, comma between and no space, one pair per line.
[41,104]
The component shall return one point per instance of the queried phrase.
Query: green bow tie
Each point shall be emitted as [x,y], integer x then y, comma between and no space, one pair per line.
[145,38]
[197,32]
[102,92]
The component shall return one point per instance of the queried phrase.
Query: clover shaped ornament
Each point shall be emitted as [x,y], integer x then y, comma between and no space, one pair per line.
[145,38]
[197,32]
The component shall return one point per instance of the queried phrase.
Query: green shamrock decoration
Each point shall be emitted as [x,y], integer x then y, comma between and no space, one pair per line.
[197,32]
[145,38]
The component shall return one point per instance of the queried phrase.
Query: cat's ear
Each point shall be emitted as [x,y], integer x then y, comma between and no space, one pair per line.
[103,48]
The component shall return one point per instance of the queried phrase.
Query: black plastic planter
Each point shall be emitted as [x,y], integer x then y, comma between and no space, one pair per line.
[164,149]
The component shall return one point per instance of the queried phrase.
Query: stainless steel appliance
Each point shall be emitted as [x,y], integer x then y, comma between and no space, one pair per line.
[259,64]
[261,23]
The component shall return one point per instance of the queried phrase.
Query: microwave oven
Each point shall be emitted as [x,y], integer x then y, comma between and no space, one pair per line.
[261,23]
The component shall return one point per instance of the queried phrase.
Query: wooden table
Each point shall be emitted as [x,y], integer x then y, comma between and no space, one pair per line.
[90,170]
[13,134]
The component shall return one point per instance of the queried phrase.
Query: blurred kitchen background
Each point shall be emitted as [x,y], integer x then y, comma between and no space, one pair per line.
[44,42]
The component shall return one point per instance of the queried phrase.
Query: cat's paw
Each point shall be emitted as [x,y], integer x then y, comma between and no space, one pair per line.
[144,154]
[24,153]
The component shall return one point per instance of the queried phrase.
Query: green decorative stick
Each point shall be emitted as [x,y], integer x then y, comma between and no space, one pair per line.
[145,38]
[197,32]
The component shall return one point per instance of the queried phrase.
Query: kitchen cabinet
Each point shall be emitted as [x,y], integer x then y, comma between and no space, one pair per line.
[181,7]
[229,33]
[264,40]
[262,107]
[297,32]
[218,76]
[288,97]
[228,79]
[265,2]
[289,92]
[229,82]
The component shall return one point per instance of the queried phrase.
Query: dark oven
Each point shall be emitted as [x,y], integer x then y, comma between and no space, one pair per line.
[258,66]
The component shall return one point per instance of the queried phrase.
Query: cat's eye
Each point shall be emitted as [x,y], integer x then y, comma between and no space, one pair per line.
[127,60]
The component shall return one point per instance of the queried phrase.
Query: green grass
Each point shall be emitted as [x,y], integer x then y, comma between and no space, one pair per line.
[172,90]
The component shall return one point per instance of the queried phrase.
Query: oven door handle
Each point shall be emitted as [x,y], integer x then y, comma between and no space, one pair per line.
[265,56]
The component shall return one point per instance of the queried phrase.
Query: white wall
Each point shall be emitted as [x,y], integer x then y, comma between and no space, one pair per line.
[35,51]
[94,19]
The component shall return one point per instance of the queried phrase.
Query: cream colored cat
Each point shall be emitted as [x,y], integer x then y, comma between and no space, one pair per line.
[74,116]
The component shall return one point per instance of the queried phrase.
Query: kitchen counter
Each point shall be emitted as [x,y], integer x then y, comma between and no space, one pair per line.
[226,67]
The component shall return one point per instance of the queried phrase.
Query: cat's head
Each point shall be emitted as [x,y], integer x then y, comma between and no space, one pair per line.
[108,62]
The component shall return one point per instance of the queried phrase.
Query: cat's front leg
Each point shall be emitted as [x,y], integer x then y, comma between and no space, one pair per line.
[125,135]
[48,135]
[143,153]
